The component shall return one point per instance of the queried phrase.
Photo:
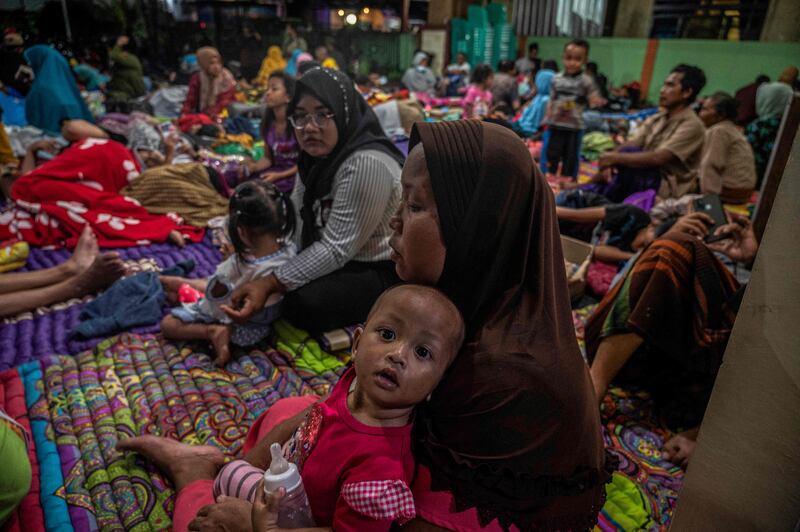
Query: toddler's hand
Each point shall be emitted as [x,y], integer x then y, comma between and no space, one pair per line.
[265,510]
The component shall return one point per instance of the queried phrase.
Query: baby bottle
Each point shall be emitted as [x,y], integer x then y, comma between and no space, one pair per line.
[294,510]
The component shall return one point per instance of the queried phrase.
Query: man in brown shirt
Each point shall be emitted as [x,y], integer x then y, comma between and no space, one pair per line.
[670,141]
[727,166]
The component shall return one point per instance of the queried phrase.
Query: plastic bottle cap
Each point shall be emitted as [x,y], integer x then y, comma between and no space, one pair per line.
[281,473]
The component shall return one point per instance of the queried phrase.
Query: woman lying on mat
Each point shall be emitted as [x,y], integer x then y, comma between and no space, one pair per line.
[172,180]
[477,221]
[349,187]
[665,324]
[82,186]
[87,271]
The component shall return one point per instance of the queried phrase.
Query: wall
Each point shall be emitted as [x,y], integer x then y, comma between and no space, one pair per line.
[619,59]
[728,65]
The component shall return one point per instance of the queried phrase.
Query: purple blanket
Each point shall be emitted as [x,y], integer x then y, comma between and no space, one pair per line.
[47,334]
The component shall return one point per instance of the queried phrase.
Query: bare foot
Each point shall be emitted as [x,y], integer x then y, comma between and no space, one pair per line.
[229,514]
[180,462]
[680,447]
[86,251]
[104,270]
[220,338]
[175,237]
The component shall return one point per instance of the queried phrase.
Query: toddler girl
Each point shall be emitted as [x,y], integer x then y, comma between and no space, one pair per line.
[261,219]
[478,99]
[281,151]
[354,448]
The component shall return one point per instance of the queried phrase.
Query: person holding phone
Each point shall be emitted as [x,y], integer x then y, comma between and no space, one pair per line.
[666,322]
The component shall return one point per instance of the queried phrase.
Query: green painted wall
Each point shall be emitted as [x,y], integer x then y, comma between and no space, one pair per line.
[728,65]
[619,59]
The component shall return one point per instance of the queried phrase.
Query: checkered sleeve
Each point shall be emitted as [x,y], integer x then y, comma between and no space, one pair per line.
[381,502]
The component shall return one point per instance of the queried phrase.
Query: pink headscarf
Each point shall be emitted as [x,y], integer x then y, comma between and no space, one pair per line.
[302,58]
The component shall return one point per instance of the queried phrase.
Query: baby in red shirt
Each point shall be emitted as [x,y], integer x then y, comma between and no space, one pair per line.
[354,448]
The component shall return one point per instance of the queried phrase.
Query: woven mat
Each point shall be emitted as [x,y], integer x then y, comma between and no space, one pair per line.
[79,407]
[45,332]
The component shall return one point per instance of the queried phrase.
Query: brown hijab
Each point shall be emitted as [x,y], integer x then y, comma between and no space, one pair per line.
[513,428]
[212,87]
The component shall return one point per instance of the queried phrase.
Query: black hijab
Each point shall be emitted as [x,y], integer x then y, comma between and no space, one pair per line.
[513,428]
[358,128]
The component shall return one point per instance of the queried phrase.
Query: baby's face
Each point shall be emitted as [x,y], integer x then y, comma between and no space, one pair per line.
[405,347]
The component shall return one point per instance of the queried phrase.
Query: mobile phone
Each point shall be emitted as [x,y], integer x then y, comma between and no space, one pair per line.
[710,239]
[711,205]
[45,155]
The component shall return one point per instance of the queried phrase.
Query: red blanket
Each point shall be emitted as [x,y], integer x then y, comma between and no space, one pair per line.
[52,203]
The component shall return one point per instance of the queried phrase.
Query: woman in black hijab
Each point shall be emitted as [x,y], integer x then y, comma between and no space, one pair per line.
[349,187]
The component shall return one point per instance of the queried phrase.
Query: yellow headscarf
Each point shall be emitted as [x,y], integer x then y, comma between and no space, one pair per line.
[330,63]
[274,61]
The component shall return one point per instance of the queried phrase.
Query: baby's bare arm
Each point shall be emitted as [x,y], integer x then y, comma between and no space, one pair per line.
[259,456]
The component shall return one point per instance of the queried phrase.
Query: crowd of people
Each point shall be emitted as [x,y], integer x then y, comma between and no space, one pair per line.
[450,258]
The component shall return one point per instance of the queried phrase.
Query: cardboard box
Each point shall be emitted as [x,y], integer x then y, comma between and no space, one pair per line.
[580,253]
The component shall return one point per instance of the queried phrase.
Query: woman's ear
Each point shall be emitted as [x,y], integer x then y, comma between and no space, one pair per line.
[356,337]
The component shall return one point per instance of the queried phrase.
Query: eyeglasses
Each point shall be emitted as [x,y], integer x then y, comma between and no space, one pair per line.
[320,119]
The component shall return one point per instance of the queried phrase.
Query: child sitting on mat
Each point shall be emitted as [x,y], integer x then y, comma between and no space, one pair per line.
[261,220]
[354,448]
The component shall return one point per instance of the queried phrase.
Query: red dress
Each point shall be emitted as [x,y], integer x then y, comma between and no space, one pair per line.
[356,476]
[52,203]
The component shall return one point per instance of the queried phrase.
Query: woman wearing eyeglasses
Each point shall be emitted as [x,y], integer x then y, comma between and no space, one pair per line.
[348,190]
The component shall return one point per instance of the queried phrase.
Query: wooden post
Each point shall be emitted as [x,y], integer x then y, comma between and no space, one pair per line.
[406,11]
[777,165]
[647,67]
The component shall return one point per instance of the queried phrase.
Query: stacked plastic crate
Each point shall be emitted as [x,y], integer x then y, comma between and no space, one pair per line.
[485,37]
[459,39]
[503,45]
[482,35]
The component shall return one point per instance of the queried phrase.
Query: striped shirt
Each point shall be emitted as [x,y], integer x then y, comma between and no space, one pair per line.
[354,218]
